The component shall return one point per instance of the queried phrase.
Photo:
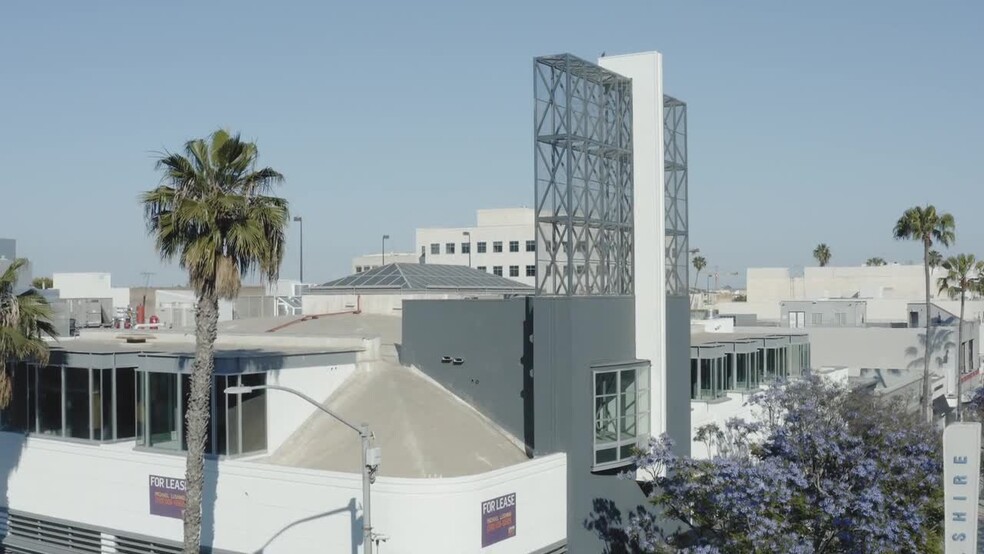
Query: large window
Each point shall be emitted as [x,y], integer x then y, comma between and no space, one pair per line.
[162,392]
[531,246]
[481,247]
[497,246]
[435,248]
[531,271]
[72,402]
[497,270]
[449,248]
[514,246]
[621,408]
[466,248]
[514,271]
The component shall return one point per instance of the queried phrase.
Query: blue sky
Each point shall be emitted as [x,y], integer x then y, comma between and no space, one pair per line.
[809,121]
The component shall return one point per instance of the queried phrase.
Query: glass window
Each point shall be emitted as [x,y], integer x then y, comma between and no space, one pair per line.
[531,246]
[15,416]
[531,271]
[466,248]
[706,378]
[729,372]
[141,408]
[126,405]
[482,268]
[435,248]
[254,414]
[741,371]
[514,246]
[77,403]
[50,400]
[694,380]
[621,405]
[163,408]
[841,318]
[497,270]
[817,319]
[497,246]
[771,363]
[514,271]
[449,248]
[481,247]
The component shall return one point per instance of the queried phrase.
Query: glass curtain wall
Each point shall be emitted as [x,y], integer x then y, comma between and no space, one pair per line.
[621,407]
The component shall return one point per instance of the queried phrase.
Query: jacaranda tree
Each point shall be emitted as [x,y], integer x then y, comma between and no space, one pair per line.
[821,469]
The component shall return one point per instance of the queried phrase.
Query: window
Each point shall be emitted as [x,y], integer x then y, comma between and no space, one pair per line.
[162,394]
[621,413]
[579,269]
[841,318]
[816,319]
[514,271]
[49,400]
[466,248]
[481,247]
[435,248]
[497,270]
[482,268]
[449,248]
[497,246]
[77,403]
[358,269]
[514,246]
[531,271]
[531,246]
[580,247]
[913,319]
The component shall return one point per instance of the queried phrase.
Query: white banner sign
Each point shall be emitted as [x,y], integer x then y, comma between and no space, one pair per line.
[961,476]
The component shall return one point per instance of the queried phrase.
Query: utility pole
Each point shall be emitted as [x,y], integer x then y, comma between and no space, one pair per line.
[383,252]
[300,223]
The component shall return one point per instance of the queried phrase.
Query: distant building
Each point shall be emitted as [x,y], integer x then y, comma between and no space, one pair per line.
[372,261]
[8,249]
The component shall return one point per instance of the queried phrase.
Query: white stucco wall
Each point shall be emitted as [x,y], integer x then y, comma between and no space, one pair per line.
[253,507]
[286,412]
[83,285]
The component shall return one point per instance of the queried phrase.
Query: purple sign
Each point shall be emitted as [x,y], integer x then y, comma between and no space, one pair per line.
[498,519]
[167,496]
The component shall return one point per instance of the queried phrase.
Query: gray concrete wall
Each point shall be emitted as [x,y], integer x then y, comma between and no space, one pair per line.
[570,334]
[491,338]
[677,373]
[854,312]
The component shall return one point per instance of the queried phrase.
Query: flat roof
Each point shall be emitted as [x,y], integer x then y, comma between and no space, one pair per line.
[401,277]
[700,338]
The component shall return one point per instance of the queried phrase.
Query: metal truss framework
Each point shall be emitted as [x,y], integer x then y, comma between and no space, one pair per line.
[675,199]
[583,178]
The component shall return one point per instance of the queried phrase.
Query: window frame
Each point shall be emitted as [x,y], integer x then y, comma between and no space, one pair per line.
[514,246]
[531,246]
[497,270]
[481,247]
[497,247]
[435,248]
[641,408]
[531,271]
[449,248]
[514,271]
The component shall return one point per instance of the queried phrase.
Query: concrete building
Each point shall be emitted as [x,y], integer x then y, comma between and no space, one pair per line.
[372,261]
[91,286]
[501,243]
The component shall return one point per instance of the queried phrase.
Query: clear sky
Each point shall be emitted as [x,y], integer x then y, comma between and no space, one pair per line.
[809,121]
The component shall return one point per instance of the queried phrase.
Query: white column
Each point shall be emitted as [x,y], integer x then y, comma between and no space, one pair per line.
[646,71]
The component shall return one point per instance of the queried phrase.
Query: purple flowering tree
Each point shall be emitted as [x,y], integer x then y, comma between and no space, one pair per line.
[823,469]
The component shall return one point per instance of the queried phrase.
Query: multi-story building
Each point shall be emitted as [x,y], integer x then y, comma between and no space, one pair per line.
[502,243]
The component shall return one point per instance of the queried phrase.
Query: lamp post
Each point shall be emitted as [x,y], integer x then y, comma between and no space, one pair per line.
[468,234]
[383,252]
[300,223]
[370,456]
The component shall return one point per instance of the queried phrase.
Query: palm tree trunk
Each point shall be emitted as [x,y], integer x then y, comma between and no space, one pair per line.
[197,418]
[960,354]
[927,401]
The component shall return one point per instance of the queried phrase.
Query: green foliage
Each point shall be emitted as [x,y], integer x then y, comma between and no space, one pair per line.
[42,283]
[875,262]
[822,254]
[25,319]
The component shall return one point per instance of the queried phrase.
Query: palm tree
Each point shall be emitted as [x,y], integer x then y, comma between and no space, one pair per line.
[963,276]
[699,264]
[935,259]
[212,213]
[874,262]
[928,226]
[822,254]
[25,319]
[42,282]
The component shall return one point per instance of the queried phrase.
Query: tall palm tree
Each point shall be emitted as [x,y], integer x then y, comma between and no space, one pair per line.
[25,319]
[875,262]
[963,276]
[699,264]
[212,212]
[926,225]
[822,254]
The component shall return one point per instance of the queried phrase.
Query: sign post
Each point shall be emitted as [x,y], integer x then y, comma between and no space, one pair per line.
[961,478]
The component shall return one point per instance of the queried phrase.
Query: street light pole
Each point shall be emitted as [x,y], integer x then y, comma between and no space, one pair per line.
[383,252]
[300,223]
[370,456]
[468,234]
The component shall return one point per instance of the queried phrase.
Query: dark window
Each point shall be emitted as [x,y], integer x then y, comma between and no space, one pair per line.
[449,248]
[49,400]
[163,408]
[125,403]
[254,414]
[531,271]
[531,246]
[435,248]
[497,246]
[481,247]
[15,415]
[76,403]
[482,268]
[497,270]
[514,246]
[466,248]
[514,271]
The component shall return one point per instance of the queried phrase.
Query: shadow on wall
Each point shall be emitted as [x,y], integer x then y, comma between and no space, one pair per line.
[355,520]
[11,448]
[940,344]
[607,522]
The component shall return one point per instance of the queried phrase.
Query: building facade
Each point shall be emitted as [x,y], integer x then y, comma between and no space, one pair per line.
[372,261]
[502,243]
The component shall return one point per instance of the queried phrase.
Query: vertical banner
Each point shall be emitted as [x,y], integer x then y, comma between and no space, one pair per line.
[167,496]
[498,519]
[961,477]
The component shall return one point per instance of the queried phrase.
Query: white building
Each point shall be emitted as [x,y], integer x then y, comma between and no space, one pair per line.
[501,243]
[90,285]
